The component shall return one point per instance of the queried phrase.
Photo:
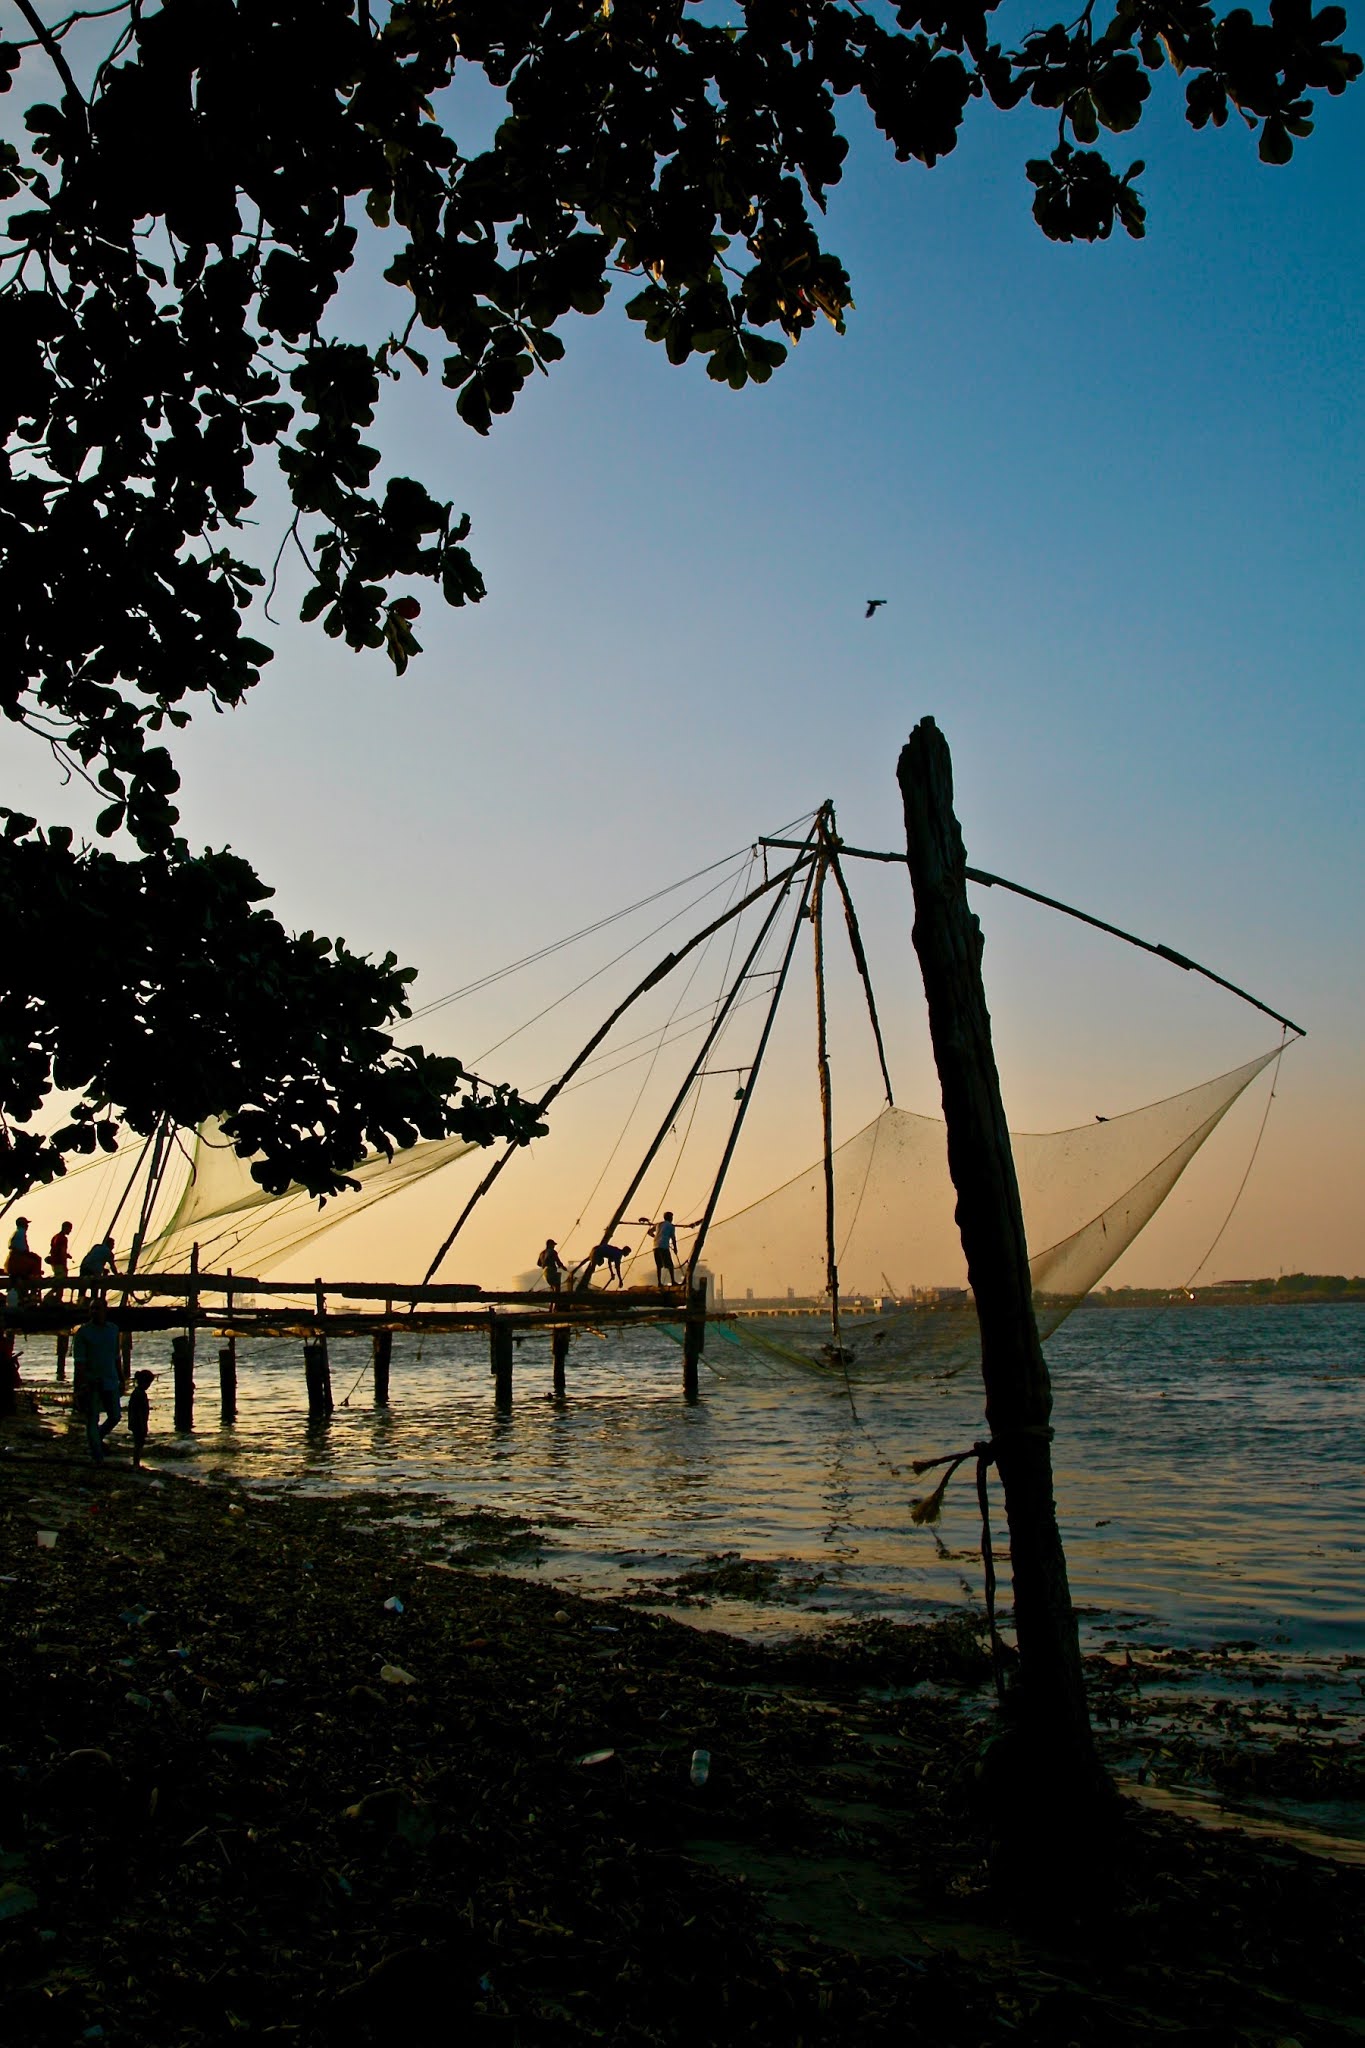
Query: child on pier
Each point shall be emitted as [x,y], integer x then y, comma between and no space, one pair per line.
[140,1412]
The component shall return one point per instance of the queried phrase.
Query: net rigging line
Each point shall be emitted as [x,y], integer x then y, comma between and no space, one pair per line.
[598,972]
[572,938]
[719,1024]
[737,883]
[1099,924]
[651,980]
[1241,1185]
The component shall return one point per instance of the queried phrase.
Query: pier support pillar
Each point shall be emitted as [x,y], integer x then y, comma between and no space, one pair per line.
[63,1348]
[227,1381]
[317,1373]
[500,1354]
[694,1338]
[383,1354]
[182,1368]
[559,1351]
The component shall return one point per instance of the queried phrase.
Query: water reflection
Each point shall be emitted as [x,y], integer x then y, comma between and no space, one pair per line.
[1210,1467]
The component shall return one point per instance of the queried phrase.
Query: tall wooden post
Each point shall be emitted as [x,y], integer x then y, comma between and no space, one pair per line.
[182,1369]
[383,1355]
[63,1348]
[1061,1769]
[559,1352]
[501,1351]
[227,1365]
[227,1382]
[317,1375]
[694,1337]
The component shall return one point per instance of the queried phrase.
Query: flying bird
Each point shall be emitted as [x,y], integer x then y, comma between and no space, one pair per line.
[872,604]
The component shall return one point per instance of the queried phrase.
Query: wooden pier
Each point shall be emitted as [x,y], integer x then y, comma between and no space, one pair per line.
[230,1306]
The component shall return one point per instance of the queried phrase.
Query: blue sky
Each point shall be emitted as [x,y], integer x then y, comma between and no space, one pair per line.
[1112,496]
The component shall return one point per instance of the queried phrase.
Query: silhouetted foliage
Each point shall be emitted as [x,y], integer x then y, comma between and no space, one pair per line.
[186,211]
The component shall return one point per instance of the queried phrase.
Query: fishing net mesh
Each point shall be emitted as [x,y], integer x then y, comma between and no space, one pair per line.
[1086,1194]
[235,1222]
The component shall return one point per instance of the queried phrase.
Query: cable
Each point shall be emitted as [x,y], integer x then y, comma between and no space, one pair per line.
[1274,1080]
[530,959]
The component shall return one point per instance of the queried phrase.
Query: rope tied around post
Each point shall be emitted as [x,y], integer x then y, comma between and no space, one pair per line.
[927,1511]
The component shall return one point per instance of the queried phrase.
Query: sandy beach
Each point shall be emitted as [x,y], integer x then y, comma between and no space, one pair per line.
[268,1770]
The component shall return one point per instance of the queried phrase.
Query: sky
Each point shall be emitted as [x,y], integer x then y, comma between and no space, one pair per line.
[1111,496]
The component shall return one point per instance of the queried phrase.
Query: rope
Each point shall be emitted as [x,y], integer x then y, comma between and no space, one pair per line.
[1241,1189]
[927,1511]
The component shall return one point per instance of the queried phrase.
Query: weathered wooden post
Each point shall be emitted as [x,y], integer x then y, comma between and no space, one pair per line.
[63,1349]
[694,1337]
[383,1355]
[1060,1770]
[182,1370]
[559,1351]
[501,1351]
[227,1381]
[317,1376]
[227,1366]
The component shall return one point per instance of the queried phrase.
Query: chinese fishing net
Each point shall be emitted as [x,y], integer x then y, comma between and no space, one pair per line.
[236,1223]
[1086,1194]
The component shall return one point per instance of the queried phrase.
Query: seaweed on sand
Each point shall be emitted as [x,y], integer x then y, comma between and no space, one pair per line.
[244,1794]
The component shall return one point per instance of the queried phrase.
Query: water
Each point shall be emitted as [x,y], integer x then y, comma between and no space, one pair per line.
[1210,1473]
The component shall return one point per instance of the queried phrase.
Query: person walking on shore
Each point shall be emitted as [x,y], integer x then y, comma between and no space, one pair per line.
[140,1413]
[96,1359]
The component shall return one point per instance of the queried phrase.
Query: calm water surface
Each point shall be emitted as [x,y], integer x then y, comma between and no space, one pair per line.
[1210,1471]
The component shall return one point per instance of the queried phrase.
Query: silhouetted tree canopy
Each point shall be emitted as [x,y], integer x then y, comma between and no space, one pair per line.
[181,221]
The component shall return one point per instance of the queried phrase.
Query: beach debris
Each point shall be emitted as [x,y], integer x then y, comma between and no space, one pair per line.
[394,1674]
[393,1605]
[561,1614]
[137,1615]
[592,1757]
[237,1735]
[47,1539]
[701,1768]
[16,1899]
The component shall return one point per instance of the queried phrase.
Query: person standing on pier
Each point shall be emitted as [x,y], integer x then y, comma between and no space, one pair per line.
[97,1261]
[665,1235]
[95,1353]
[21,1266]
[551,1265]
[59,1258]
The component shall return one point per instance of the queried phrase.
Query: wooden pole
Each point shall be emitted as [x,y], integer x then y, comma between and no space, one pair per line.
[182,1368]
[694,1337]
[383,1355]
[227,1381]
[227,1365]
[317,1378]
[817,918]
[63,1349]
[1059,1770]
[501,1351]
[559,1351]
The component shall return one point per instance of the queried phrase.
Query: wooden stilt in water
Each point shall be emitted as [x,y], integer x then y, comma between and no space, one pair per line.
[317,1374]
[559,1351]
[182,1368]
[694,1337]
[125,1359]
[227,1366]
[1058,1778]
[383,1355]
[63,1349]
[501,1352]
[227,1381]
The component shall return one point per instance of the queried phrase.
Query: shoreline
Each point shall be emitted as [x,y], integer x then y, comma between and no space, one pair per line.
[241,1794]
